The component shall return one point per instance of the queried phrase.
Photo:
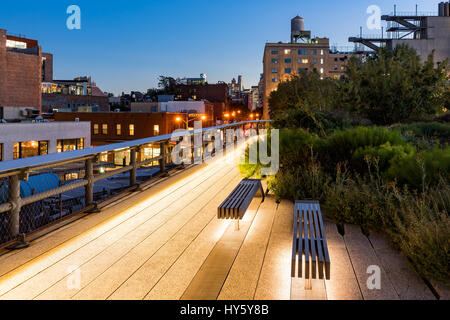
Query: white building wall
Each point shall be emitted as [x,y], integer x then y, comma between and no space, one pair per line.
[45,131]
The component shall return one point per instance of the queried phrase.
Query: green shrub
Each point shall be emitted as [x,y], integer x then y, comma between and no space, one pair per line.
[353,145]
[421,169]
[383,154]
[426,135]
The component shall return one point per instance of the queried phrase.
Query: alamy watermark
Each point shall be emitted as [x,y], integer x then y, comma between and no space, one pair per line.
[374,280]
[73,22]
[204,146]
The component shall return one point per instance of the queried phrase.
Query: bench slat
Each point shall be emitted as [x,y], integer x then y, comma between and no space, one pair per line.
[295,244]
[306,242]
[318,243]
[312,241]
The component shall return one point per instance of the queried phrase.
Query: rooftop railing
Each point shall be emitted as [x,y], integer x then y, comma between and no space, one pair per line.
[41,191]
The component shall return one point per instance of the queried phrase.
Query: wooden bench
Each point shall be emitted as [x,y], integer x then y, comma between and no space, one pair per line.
[310,243]
[237,203]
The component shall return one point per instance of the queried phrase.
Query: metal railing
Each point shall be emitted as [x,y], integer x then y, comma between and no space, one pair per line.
[22,213]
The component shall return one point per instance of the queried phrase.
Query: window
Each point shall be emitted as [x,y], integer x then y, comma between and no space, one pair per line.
[321,70]
[287,60]
[104,128]
[274,51]
[131,129]
[315,52]
[65,145]
[303,60]
[287,70]
[119,129]
[29,149]
[302,70]
[156,130]
[321,61]
[274,60]
[287,51]
[321,52]
[274,79]
[96,129]
[315,60]
[335,67]
[303,52]
[274,70]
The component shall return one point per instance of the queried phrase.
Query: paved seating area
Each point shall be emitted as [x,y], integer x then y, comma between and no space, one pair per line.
[167,243]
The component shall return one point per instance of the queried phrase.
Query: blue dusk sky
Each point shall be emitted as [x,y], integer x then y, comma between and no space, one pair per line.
[126,45]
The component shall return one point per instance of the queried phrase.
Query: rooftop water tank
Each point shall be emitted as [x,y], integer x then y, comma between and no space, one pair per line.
[297,24]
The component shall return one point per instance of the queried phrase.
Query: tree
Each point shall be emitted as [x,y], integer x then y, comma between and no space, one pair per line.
[167,85]
[394,86]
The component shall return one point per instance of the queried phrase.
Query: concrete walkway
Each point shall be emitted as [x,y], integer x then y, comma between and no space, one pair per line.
[166,243]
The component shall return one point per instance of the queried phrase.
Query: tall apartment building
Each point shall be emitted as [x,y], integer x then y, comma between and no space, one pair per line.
[22,71]
[301,55]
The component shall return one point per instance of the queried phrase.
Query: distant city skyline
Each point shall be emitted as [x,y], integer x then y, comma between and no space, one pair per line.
[127,47]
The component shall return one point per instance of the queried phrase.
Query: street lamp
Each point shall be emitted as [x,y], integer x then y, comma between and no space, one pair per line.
[179,119]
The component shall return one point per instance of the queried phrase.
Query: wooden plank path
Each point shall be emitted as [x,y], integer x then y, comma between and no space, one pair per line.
[167,243]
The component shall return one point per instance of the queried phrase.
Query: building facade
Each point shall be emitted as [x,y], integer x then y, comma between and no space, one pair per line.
[194,109]
[27,139]
[77,95]
[112,127]
[217,94]
[21,74]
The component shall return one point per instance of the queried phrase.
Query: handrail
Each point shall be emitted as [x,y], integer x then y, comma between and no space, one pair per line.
[7,167]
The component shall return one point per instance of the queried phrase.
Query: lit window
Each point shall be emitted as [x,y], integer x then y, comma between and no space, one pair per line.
[321,61]
[131,127]
[287,70]
[274,60]
[321,70]
[321,52]
[303,60]
[104,129]
[303,52]
[96,129]
[118,129]
[156,130]
[274,70]
[287,60]
[29,149]
[274,79]
[287,51]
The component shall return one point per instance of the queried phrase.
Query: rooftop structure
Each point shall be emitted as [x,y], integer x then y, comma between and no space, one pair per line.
[423,31]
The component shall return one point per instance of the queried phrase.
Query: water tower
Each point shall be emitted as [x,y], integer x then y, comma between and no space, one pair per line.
[298,31]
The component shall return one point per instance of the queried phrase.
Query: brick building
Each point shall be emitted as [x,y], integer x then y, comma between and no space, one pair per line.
[283,60]
[21,74]
[217,94]
[112,127]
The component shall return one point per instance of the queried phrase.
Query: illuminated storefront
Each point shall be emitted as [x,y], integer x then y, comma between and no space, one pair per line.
[65,145]
[28,149]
